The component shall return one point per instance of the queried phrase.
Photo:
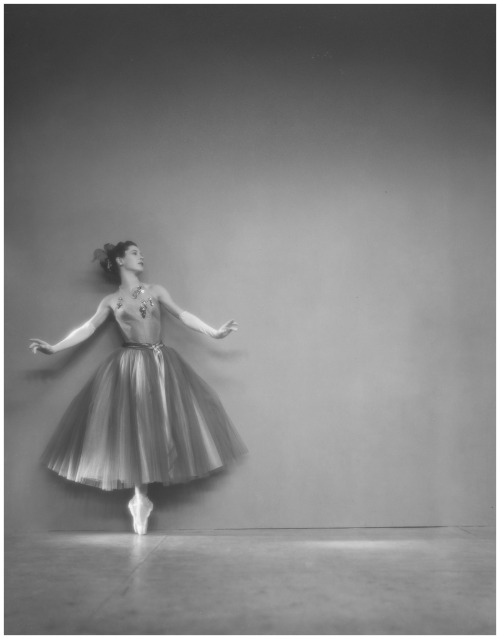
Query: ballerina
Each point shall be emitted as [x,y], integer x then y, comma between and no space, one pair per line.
[145,415]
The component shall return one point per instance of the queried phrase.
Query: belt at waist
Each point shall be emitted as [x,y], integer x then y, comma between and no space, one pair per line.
[152,347]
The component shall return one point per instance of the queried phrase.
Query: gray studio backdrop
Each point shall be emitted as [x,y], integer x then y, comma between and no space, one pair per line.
[324,175]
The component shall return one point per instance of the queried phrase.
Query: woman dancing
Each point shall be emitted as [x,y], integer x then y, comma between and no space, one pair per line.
[144,416]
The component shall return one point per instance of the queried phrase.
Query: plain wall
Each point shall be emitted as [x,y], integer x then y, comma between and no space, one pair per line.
[324,175]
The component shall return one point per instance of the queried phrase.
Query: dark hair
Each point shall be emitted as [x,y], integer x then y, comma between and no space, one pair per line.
[107,257]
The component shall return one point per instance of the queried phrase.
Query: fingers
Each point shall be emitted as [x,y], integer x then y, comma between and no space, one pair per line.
[38,345]
[35,344]
[228,328]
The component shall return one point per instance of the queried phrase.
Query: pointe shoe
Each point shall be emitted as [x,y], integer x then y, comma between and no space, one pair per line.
[140,507]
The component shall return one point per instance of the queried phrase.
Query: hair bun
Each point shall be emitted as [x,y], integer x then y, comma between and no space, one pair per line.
[107,256]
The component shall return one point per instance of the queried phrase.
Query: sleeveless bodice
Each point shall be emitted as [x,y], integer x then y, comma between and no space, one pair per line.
[139,319]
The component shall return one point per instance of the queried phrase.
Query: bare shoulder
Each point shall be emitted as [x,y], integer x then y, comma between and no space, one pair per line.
[107,302]
[157,289]
[103,310]
[165,299]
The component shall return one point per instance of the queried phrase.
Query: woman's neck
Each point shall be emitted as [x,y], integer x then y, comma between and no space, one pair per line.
[129,280]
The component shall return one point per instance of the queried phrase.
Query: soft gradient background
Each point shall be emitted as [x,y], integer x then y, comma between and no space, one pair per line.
[323,174]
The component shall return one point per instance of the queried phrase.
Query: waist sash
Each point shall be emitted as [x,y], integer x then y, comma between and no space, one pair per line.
[154,347]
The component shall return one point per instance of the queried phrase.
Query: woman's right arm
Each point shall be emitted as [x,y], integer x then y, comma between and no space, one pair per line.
[77,336]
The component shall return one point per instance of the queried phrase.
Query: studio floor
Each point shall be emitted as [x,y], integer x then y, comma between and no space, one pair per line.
[293,581]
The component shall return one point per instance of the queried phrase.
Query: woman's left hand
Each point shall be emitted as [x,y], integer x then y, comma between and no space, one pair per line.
[226,328]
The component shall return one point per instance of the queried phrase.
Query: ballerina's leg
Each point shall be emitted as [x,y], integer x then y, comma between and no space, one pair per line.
[141,490]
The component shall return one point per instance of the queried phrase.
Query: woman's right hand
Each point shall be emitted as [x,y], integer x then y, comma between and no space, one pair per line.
[39,345]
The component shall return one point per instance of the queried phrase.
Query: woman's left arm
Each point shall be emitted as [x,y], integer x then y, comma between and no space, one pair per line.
[190,320]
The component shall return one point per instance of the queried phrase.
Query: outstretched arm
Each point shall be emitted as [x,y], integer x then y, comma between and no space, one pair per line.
[190,320]
[80,334]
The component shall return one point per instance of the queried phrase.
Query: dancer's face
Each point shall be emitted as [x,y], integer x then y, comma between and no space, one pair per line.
[132,260]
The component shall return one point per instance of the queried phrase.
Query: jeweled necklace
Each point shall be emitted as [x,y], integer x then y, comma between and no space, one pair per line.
[135,292]
[139,290]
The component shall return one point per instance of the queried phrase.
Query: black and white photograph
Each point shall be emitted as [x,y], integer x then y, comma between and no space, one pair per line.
[249,319]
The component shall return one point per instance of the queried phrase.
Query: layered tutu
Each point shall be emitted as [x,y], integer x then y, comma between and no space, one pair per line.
[144,416]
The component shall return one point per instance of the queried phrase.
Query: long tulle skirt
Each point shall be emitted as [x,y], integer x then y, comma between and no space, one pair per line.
[144,416]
